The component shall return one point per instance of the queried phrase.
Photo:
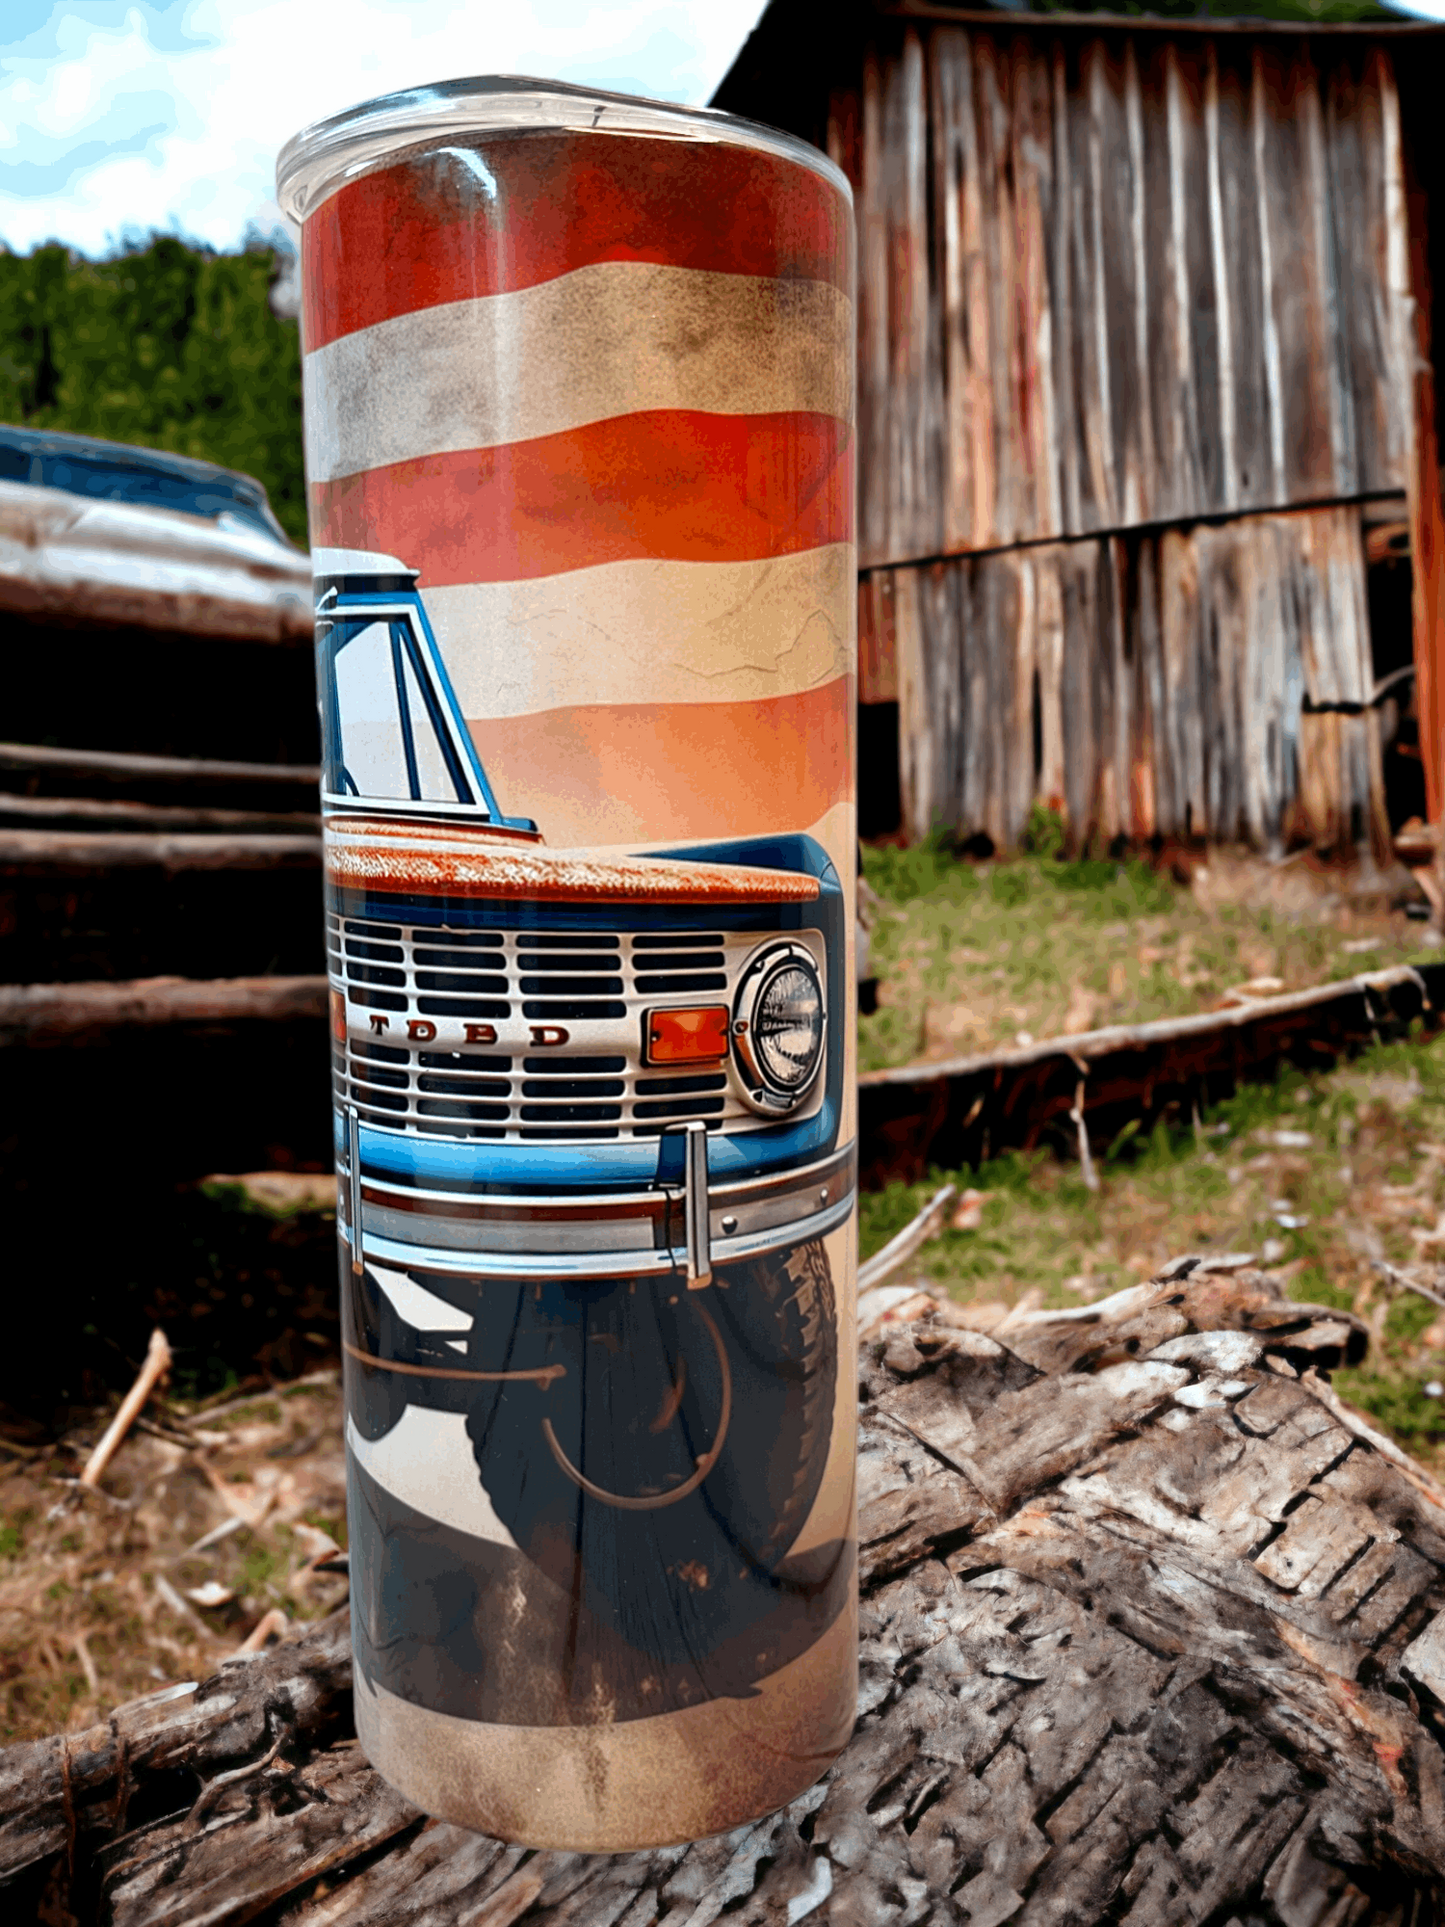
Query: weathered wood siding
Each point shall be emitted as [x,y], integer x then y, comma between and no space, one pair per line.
[1161,682]
[1111,280]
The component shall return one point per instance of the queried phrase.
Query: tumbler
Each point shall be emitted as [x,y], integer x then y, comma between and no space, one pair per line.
[579,444]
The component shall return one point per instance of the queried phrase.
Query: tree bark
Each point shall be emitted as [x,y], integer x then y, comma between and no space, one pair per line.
[1149,1635]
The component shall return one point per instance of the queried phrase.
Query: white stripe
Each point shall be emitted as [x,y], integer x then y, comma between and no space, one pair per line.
[426,1460]
[649,632]
[417,1305]
[606,340]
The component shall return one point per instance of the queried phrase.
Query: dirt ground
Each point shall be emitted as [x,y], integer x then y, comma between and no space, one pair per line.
[208,1527]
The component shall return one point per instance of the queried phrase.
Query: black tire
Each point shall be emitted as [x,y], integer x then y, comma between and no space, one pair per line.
[799,1295]
[643,1372]
[647,1364]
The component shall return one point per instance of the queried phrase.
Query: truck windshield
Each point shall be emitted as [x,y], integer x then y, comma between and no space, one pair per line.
[387,730]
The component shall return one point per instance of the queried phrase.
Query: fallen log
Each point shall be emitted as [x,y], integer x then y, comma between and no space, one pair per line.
[1153,1631]
[961,1110]
[99,852]
[117,769]
[74,1013]
[89,812]
[1088,1044]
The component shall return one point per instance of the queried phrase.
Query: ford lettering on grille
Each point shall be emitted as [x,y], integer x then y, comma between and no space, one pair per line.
[528,1035]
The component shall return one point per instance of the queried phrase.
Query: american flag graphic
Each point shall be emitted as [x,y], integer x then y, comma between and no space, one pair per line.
[598,392]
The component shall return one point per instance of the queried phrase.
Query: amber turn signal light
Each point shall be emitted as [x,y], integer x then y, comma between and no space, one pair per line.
[686,1036]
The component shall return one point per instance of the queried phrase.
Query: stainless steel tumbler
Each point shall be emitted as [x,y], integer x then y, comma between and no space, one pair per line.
[579,433]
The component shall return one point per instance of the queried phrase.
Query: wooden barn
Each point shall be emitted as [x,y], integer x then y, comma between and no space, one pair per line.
[1149,489]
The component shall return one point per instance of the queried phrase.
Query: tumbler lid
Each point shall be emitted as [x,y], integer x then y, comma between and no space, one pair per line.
[325,156]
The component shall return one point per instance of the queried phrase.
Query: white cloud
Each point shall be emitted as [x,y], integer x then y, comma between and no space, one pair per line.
[170,116]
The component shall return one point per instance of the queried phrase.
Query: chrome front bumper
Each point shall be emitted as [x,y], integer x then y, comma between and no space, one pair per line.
[667,1231]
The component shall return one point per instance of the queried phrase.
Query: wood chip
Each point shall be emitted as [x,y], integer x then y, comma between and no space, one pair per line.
[1424,1657]
[211,1594]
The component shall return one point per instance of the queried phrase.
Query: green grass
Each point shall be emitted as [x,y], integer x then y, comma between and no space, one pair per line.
[264,1569]
[329,1523]
[1373,1124]
[972,957]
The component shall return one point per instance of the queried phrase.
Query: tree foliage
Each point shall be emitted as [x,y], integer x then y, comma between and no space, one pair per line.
[164,344]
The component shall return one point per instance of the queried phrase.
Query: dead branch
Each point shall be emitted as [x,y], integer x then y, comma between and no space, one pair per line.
[157,1364]
[87,1662]
[270,1624]
[182,1608]
[1398,1277]
[911,1238]
[1086,1161]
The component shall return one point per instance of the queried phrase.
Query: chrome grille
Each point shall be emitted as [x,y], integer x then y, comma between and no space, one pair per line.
[595,987]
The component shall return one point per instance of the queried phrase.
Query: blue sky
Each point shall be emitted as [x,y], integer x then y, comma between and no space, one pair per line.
[121,115]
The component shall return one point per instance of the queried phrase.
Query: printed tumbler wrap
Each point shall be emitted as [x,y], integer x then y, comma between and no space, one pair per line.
[580,445]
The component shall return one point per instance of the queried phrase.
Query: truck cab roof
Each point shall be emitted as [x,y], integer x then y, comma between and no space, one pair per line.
[142,477]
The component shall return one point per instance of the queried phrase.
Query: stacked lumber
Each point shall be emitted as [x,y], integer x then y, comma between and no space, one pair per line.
[161,970]
[162,981]
[1153,1631]
[116,866]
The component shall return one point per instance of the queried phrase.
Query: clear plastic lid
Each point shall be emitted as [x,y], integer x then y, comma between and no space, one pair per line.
[325,156]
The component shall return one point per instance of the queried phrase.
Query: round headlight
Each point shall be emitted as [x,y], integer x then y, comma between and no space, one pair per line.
[779,1023]
[788,1027]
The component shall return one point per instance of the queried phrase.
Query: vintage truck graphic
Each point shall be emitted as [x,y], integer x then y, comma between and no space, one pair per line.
[576,1089]
[569,1064]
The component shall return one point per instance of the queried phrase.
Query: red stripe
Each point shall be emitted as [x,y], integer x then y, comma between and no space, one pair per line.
[428,231]
[611,772]
[669,484]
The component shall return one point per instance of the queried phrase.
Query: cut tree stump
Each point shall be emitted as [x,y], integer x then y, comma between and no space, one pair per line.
[1150,1635]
